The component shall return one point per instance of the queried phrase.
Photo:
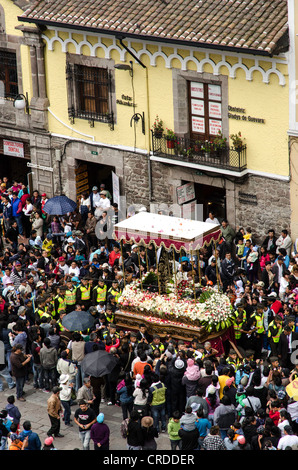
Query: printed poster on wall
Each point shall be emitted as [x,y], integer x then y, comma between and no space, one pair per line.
[214,110]
[185,193]
[196,90]
[198,124]
[214,126]
[197,107]
[214,92]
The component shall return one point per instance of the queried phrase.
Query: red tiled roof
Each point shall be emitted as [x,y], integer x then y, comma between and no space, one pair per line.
[251,25]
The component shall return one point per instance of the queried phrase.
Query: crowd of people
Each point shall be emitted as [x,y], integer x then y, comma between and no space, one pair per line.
[54,265]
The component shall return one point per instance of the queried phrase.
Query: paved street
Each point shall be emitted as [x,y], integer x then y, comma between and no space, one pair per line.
[35,410]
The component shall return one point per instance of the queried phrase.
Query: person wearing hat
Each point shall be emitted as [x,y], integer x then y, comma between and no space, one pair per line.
[70,295]
[48,444]
[94,198]
[65,397]
[274,332]
[99,293]
[102,187]
[54,408]
[83,293]
[149,433]
[114,290]
[100,433]
[102,205]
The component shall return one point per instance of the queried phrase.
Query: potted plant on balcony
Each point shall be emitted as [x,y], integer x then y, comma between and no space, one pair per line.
[170,138]
[237,141]
[220,144]
[158,127]
[206,148]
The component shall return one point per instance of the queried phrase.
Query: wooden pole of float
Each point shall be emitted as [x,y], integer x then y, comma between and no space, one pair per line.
[140,268]
[193,275]
[157,269]
[199,266]
[147,262]
[217,272]
[174,270]
[121,245]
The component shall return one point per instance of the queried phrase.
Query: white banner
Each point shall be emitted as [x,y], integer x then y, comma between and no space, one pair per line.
[13,149]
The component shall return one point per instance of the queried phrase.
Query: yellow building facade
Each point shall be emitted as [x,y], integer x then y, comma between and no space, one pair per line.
[93,98]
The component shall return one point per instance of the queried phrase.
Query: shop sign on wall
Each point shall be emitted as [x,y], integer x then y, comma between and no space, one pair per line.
[13,149]
[240,115]
[126,101]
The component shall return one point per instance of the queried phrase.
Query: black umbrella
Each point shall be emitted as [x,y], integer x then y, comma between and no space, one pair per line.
[59,205]
[78,321]
[98,363]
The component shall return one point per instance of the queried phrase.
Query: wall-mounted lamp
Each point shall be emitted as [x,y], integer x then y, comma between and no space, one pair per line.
[136,117]
[125,67]
[21,102]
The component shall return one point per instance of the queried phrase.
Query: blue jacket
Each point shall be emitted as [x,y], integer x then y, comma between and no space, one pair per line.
[16,204]
[34,442]
[124,397]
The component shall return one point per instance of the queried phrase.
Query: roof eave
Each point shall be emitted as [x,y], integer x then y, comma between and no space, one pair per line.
[123,35]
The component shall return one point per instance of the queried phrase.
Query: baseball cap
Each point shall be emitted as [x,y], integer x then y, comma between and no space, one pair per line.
[95,188]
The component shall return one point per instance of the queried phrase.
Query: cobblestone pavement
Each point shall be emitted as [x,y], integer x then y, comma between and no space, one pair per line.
[34,409]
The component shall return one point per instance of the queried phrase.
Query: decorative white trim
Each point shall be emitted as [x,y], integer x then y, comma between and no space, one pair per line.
[221,171]
[153,56]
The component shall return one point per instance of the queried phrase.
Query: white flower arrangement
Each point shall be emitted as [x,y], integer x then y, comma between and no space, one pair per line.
[215,312]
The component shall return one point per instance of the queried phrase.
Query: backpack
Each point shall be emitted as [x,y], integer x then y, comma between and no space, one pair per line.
[124,428]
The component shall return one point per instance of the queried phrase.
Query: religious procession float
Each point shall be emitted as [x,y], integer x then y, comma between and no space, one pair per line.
[168,300]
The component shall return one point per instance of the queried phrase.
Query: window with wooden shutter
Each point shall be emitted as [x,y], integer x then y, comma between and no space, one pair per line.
[90,90]
[8,75]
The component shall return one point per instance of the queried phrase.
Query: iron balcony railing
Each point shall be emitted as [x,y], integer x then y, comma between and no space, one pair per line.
[199,151]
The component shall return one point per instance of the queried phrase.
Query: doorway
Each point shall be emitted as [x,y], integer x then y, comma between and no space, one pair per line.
[89,174]
[14,168]
[211,198]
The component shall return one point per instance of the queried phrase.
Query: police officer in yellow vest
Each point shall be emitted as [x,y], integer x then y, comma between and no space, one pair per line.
[233,360]
[274,332]
[59,300]
[99,293]
[259,316]
[238,323]
[114,290]
[157,345]
[40,310]
[83,293]
[70,297]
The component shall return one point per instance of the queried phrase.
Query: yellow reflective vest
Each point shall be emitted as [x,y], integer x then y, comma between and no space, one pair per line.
[101,293]
[70,297]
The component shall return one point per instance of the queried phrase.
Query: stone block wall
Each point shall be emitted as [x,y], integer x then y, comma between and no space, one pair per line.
[263,203]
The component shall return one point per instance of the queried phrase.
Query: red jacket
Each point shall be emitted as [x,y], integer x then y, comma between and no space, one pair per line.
[116,345]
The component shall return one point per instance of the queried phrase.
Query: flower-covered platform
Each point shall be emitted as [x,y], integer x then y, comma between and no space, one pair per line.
[178,313]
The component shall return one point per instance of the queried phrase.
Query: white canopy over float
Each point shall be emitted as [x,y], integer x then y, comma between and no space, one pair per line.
[146,228]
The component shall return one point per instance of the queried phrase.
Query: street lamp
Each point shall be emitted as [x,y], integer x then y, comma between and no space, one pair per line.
[125,67]
[21,102]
